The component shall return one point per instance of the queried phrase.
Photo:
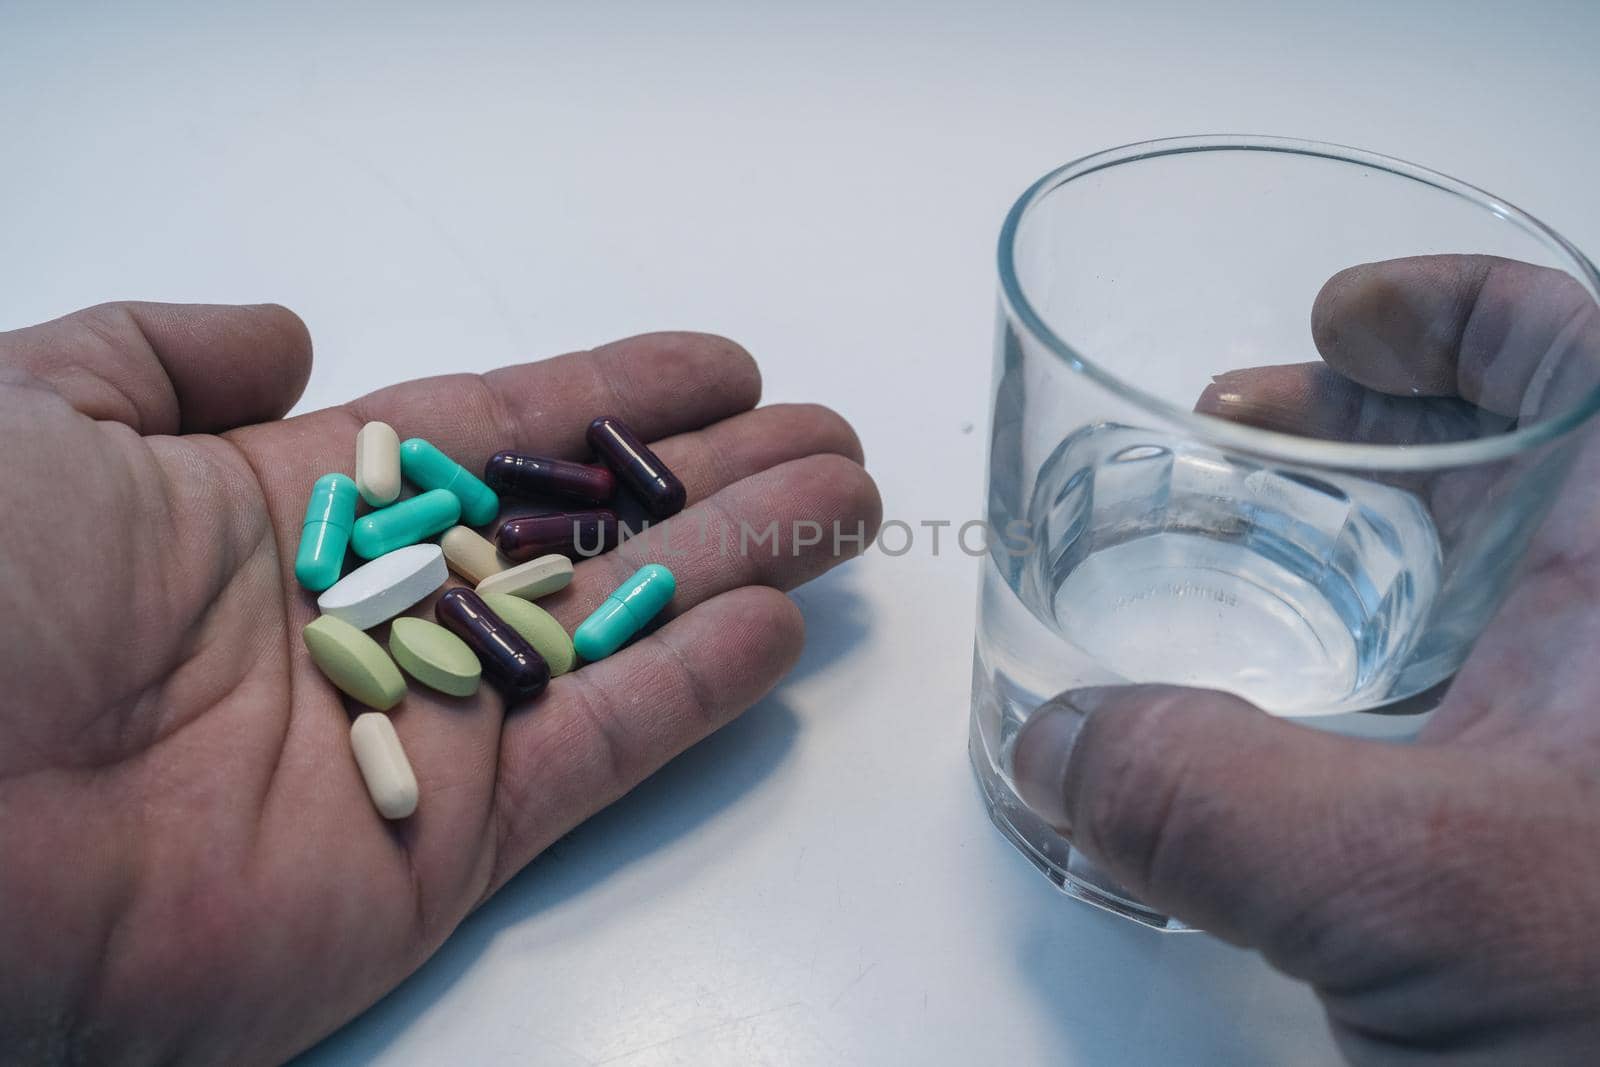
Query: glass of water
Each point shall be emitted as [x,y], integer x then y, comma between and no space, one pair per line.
[1269,416]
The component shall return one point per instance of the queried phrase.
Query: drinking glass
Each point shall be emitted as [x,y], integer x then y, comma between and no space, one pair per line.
[1235,446]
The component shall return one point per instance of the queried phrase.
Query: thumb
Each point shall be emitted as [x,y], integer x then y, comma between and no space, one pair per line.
[169,368]
[1207,808]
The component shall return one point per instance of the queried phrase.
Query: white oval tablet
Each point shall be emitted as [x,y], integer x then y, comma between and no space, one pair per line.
[384,767]
[530,580]
[385,587]
[378,464]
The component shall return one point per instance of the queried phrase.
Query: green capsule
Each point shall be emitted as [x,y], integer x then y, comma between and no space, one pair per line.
[625,612]
[325,532]
[428,468]
[405,523]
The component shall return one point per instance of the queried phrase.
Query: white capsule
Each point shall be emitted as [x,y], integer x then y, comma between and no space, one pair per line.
[383,764]
[530,580]
[469,554]
[386,586]
[378,464]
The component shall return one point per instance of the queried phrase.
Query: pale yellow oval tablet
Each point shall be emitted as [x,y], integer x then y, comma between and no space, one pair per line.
[538,627]
[390,781]
[470,554]
[530,580]
[434,656]
[354,662]
[378,464]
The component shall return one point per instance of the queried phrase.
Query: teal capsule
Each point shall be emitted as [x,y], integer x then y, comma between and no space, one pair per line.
[625,612]
[325,532]
[405,523]
[429,468]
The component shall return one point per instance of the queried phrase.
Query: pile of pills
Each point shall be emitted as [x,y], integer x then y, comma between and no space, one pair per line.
[491,630]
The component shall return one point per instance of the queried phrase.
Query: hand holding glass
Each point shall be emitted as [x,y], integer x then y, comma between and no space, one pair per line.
[1270,417]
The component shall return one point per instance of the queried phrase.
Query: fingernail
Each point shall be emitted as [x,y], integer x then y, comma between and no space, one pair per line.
[1218,397]
[1044,748]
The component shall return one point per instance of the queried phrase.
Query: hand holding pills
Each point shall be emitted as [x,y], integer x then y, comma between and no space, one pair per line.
[212,852]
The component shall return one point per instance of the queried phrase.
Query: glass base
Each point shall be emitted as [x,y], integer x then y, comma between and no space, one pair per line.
[1052,854]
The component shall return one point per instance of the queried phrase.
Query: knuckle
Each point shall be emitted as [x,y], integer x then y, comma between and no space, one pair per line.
[111,326]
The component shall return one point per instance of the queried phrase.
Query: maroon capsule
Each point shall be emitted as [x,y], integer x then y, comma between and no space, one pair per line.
[517,474]
[574,534]
[509,662]
[657,488]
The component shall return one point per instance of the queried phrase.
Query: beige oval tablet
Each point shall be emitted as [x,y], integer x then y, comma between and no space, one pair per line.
[530,580]
[354,662]
[378,464]
[390,781]
[538,627]
[434,656]
[470,554]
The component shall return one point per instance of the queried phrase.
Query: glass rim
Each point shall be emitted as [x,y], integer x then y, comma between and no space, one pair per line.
[1272,443]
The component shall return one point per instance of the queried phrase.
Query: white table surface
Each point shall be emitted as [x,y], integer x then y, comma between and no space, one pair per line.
[468,185]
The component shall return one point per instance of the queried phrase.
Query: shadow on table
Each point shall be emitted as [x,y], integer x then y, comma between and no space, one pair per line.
[1170,998]
[836,623]
[711,776]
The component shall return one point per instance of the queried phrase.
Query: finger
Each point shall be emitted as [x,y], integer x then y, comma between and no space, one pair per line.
[1523,341]
[1313,400]
[289,456]
[1518,339]
[721,454]
[543,407]
[660,384]
[779,528]
[735,448]
[605,728]
[169,368]
[1207,808]
[1331,855]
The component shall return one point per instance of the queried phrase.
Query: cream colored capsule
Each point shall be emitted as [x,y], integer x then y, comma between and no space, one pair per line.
[383,765]
[378,464]
[530,580]
[470,554]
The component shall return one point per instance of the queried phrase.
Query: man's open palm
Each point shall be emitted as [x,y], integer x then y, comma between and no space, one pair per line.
[192,865]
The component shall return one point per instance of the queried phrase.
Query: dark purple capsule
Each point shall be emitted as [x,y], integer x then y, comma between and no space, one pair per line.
[516,474]
[574,534]
[657,488]
[509,662]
